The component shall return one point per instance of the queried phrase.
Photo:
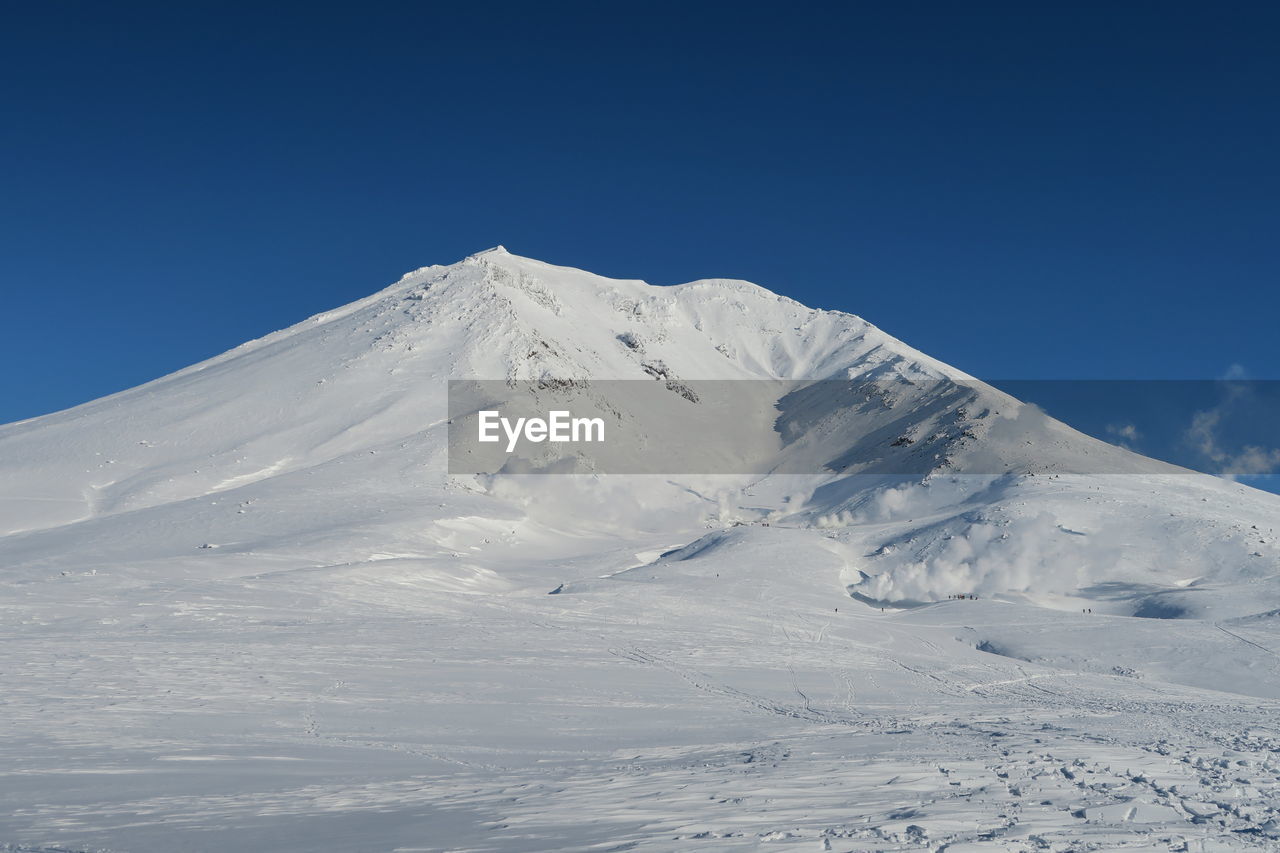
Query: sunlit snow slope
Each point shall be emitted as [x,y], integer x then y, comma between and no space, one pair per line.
[246,606]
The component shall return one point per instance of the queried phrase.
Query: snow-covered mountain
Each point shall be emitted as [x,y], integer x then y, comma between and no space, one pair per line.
[264,555]
[353,402]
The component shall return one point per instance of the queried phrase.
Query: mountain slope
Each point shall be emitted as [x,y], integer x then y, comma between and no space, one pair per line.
[352,402]
[246,606]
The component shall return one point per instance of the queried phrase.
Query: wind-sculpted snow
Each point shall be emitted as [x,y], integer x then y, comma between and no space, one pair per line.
[245,607]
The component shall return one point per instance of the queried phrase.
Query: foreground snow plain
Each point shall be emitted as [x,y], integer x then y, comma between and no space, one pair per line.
[245,608]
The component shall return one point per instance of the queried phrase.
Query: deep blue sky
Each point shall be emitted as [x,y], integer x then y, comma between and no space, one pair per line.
[1022,189]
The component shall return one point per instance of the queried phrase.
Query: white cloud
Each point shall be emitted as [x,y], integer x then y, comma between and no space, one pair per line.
[1205,431]
[1125,434]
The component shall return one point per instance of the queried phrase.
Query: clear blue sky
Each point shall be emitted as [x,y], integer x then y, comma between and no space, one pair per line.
[1074,190]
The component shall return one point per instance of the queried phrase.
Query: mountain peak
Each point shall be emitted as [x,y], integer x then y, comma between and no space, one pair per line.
[359,395]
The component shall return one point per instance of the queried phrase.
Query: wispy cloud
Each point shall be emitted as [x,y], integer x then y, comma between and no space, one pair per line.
[1205,433]
[1125,435]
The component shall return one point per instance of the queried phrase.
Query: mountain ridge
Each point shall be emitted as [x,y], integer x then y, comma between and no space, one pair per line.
[354,396]
[248,605]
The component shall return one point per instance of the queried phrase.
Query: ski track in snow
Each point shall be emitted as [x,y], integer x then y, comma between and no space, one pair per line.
[675,731]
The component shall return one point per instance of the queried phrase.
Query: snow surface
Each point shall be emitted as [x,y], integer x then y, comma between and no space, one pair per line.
[245,607]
